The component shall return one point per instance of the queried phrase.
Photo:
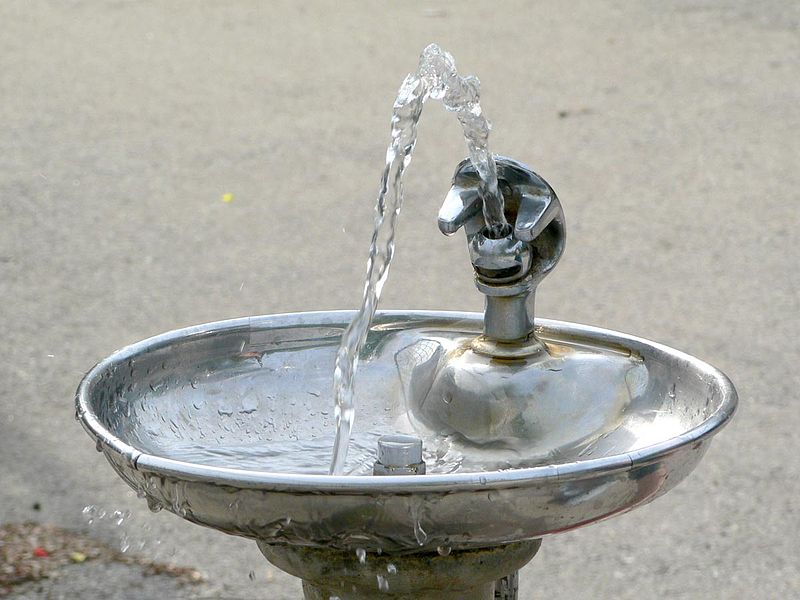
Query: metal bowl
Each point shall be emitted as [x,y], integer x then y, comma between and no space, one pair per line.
[230,425]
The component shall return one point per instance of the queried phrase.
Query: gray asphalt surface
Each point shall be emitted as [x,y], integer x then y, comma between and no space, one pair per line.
[669,129]
[103,580]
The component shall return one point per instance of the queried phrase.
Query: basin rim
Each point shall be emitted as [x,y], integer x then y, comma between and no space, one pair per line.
[575,333]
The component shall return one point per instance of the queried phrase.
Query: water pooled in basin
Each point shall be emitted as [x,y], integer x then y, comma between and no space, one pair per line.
[437,78]
[302,456]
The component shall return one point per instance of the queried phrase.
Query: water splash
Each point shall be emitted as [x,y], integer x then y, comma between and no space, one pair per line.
[436,77]
[130,534]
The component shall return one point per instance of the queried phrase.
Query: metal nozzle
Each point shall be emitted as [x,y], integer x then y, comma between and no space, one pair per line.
[507,269]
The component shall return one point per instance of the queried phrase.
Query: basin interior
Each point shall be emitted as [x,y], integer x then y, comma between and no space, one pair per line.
[255,395]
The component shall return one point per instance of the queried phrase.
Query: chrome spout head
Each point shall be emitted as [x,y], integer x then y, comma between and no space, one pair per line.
[507,268]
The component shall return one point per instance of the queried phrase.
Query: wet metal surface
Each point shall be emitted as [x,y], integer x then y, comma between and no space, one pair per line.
[143,403]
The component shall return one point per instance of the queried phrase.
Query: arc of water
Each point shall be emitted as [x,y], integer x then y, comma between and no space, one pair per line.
[436,77]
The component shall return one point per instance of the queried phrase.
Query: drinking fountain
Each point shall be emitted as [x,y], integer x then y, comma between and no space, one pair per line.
[476,435]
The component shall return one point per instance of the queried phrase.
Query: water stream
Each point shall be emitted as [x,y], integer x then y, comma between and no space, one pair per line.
[436,77]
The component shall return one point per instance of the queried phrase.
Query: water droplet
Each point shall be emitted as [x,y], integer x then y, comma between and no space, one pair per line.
[447,398]
[98,446]
[443,550]
[89,512]
[362,555]
[120,516]
[391,568]
[225,411]
[154,505]
[383,583]
[419,533]
[252,575]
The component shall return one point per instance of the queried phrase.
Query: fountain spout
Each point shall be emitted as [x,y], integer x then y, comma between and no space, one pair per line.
[507,267]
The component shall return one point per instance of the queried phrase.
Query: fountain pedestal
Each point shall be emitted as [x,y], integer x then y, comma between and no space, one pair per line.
[461,575]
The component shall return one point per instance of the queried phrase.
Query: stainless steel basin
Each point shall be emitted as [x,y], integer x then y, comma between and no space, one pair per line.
[230,425]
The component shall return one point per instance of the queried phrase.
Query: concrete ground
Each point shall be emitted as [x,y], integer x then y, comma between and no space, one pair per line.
[669,129]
